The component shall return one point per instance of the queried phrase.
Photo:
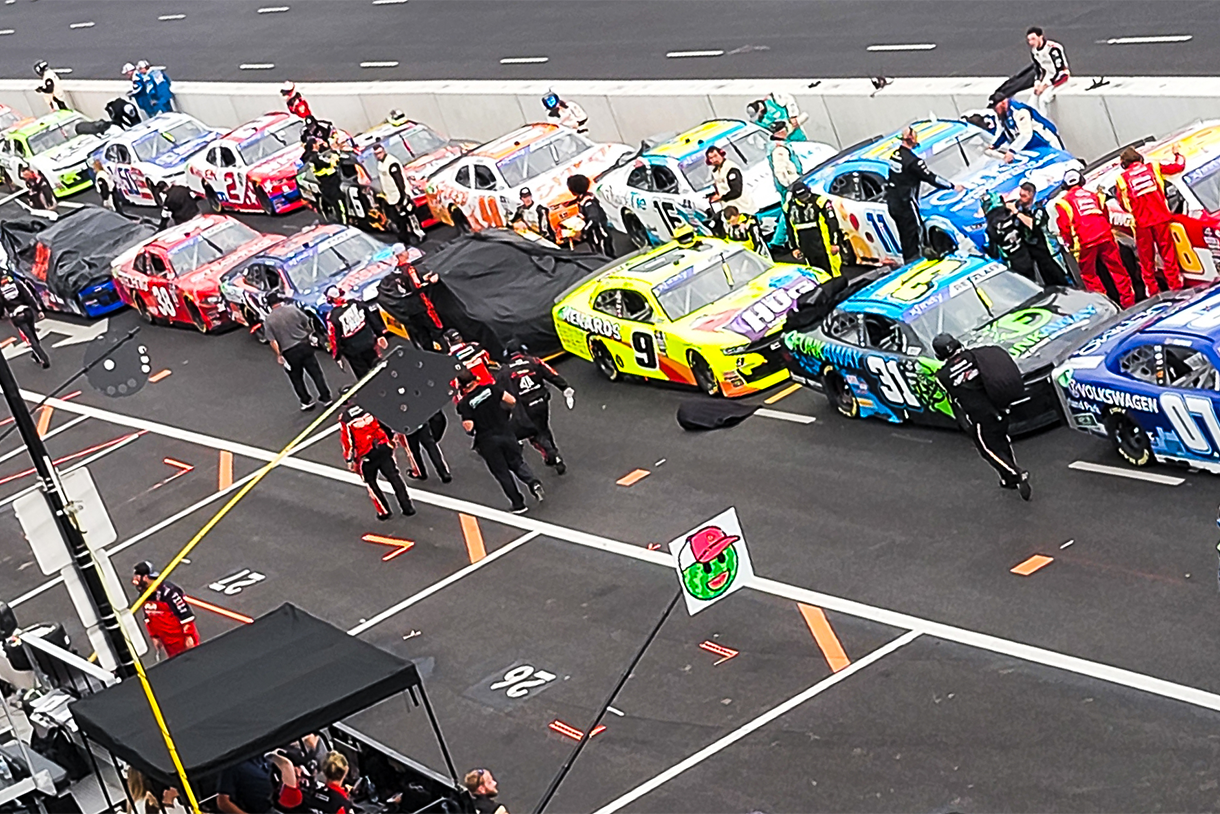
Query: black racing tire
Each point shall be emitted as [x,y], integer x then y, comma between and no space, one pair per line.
[604,359]
[705,379]
[636,231]
[196,316]
[143,311]
[839,394]
[211,201]
[460,221]
[264,201]
[1129,439]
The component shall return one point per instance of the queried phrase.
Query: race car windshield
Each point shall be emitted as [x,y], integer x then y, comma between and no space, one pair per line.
[7,119]
[970,307]
[208,246]
[154,144]
[51,138]
[729,272]
[421,142]
[745,151]
[528,163]
[308,271]
[1207,187]
[269,142]
[960,159]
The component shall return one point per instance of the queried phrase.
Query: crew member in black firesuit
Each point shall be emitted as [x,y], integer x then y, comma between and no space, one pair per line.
[596,231]
[1035,228]
[908,173]
[483,409]
[963,379]
[396,197]
[534,216]
[472,356]
[351,333]
[526,377]
[122,112]
[815,229]
[38,192]
[743,227]
[19,305]
[178,205]
[428,437]
[369,450]
[1005,235]
[407,289]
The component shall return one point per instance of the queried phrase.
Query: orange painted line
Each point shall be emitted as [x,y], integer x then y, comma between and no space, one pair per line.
[572,732]
[179,464]
[401,550]
[391,541]
[225,479]
[783,394]
[44,419]
[1032,564]
[554,356]
[156,377]
[825,636]
[474,537]
[725,653]
[654,546]
[75,455]
[71,395]
[208,606]
[633,477]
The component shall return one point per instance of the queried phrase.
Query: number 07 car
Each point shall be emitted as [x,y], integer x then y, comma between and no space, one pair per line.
[1150,381]
[687,314]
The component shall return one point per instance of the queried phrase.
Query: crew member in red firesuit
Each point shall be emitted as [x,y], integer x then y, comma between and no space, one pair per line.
[472,356]
[295,101]
[169,620]
[1080,215]
[368,450]
[352,337]
[1141,191]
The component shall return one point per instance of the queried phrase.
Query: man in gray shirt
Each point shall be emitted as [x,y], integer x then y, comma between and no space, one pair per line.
[289,330]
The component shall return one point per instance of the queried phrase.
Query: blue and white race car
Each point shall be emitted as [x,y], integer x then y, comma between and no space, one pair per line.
[1150,381]
[152,151]
[954,150]
[668,185]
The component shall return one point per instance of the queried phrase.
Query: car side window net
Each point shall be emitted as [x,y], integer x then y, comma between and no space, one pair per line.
[665,180]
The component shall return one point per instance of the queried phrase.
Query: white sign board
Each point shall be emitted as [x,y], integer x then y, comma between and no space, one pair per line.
[712,561]
[36,521]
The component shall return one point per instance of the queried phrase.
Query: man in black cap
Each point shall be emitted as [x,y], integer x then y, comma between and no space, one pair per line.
[596,231]
[178,205]
[483,409]
[350,331]
[526,377]
[815,229]
[403,293]
[964,377]
[908,173]
[533,216]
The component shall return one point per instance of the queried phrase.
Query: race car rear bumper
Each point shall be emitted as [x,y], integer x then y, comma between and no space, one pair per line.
[756,371]
[1040,408]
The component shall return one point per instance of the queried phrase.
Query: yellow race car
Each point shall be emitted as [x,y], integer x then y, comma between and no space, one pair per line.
[685,312]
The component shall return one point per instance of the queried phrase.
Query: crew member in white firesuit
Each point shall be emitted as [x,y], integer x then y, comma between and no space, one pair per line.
[1050,67]
[369,451]
[50,87]
[396,196]
[526,377]
[533,216]
[569,114]
[352,336]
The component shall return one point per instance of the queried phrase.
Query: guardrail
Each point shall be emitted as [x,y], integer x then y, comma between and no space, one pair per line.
[841,111]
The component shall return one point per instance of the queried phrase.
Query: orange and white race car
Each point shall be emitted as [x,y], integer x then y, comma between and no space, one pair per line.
[1193,196]
[482,189]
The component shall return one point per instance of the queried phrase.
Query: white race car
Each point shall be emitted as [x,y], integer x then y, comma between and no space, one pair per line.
[52,146]
[668,185]
[153,151]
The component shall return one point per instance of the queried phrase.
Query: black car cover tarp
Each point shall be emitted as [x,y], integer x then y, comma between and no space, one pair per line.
[244,693]
[507,283]
[75,251]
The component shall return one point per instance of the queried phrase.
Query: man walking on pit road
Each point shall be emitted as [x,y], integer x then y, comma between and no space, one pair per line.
[290,332]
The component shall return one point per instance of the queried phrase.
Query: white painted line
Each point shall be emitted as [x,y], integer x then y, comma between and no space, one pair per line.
[783,416]
[168,17]
[689,54]
[272,9]
[449,580]
[872,613]
[82,25]
[5,32]
[1154,40]
[1124,472]
[389,2]
[46,437]
[524,60]
[911,46]
[62,70]
[756,724]
[378,64]
[616,711]
[95,456]
[256,66]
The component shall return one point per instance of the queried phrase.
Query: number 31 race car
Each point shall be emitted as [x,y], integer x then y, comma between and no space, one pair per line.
[685,314]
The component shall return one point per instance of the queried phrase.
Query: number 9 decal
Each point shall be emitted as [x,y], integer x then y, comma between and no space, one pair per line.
[645,348]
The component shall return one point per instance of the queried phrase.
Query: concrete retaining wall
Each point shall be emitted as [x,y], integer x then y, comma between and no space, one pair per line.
[841,111]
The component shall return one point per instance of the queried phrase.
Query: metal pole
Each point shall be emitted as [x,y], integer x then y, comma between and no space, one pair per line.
[567,765]
[440,737]
[57,502]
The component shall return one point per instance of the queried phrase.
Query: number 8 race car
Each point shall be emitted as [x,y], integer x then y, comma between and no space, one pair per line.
[685,313]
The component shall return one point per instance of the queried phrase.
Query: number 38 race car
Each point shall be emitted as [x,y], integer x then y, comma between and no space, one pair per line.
[685,313]
[872,356]
[1150,382]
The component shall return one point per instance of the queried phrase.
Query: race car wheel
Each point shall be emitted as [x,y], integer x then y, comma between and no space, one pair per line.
[459,220]
[196,316]
[211,201]
[839,394]
[1129,439]
[704,377]
[636,231]
[264,201]
[143,311]
[604,359]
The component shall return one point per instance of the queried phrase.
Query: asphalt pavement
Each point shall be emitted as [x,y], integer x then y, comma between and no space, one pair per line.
[365,40]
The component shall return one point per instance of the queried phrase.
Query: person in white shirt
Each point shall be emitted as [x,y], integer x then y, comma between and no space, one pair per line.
[1051,70]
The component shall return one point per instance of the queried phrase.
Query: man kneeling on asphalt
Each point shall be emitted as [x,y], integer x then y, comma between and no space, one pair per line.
[980,384]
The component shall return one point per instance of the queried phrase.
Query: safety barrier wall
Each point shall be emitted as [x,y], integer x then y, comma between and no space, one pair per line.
[841,111]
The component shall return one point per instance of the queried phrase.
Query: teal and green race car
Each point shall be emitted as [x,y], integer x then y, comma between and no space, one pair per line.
[52,146]
[872,356]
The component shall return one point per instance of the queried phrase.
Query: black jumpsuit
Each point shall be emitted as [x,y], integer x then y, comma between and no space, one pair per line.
[526,378]
[1006,241]
[907,173]
[987,426]
[19,305]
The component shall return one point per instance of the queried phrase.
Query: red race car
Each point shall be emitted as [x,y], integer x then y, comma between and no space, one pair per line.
[252,168]
[174,276]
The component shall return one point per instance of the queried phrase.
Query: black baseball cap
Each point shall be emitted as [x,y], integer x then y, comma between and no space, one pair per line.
[143,569]
[525,193]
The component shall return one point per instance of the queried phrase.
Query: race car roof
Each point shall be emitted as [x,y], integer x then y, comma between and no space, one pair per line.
[1199,143]
[510,143]
[240,134]
[48,121]
[381,131]
[931,133]
[157,124]
[697,139]
[670,261]
[306,239]
[1198,315]
[935,277]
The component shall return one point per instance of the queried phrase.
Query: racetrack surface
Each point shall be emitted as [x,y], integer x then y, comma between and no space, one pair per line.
[319,40]
[946,682]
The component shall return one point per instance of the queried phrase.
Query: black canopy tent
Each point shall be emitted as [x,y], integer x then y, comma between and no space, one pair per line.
[252,689]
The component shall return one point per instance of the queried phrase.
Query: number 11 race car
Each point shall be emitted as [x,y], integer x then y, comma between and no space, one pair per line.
[685,314]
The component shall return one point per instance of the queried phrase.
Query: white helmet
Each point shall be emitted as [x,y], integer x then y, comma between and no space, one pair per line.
[288,88]
[128,69]
[142,65]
